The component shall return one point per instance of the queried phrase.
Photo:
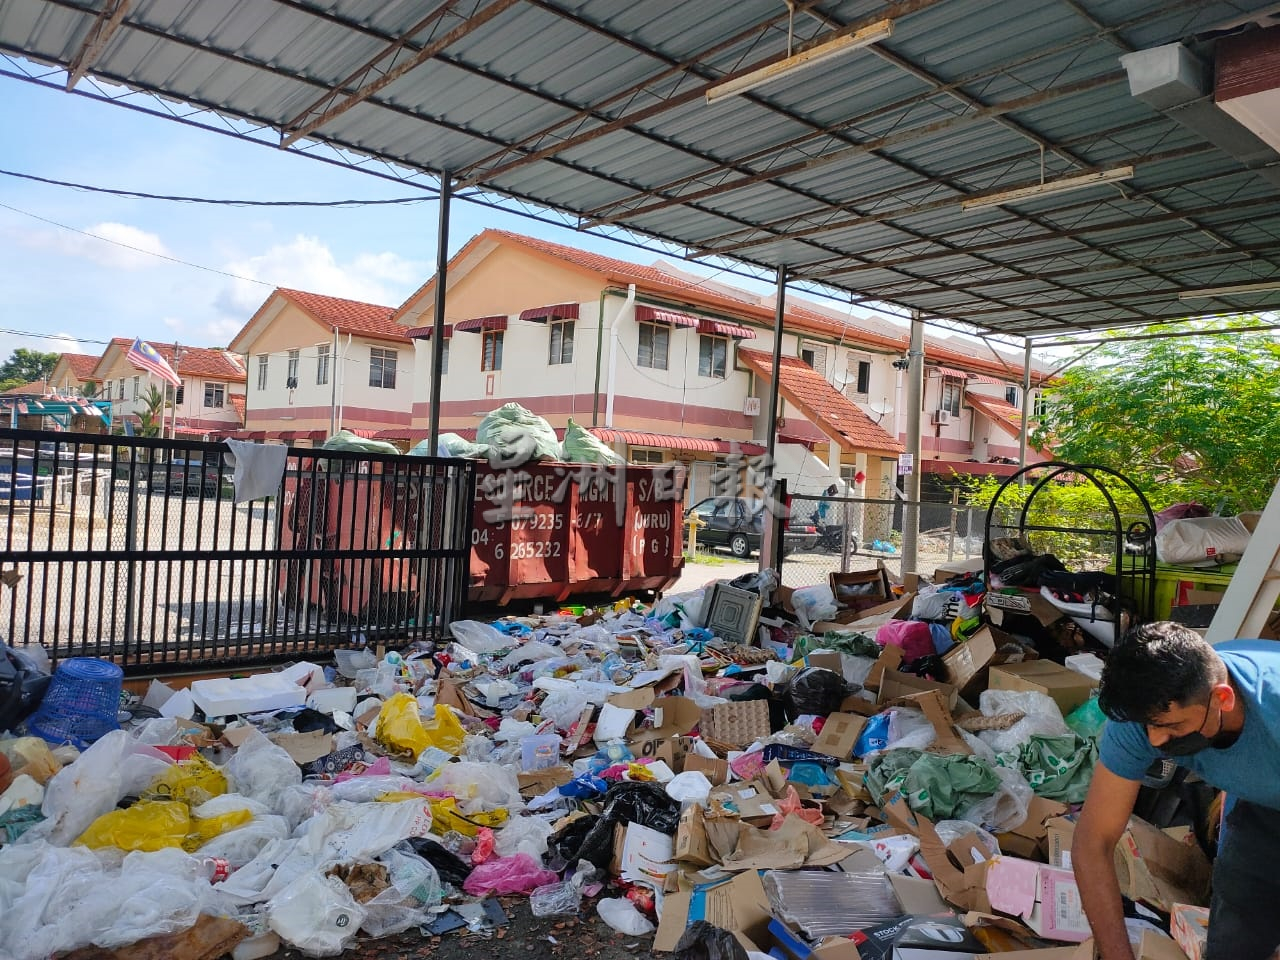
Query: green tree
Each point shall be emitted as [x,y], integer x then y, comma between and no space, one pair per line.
[151,416]
[1189,417]
[26,366]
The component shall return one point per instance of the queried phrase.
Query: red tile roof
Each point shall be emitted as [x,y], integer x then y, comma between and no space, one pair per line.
[349,316]
[740,304]
[36,388]
[638,439]
[237,401]
[1003,414]
[208,363]
[825,407]
[81,365]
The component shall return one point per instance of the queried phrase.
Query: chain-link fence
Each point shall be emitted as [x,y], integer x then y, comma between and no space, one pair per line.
[840,534]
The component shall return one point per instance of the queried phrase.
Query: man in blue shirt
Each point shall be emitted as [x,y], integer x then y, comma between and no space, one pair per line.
[1215,711]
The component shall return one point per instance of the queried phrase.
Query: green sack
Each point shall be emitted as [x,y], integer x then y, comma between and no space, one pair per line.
[345,440]
[451,445]
[1087,720]
[516,436]
[934,786]
[1057,767]
[582,446]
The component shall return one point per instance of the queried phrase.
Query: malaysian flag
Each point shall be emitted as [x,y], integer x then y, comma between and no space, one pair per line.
[144,356]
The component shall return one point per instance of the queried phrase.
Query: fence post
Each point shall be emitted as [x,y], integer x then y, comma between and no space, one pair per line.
[951,531]
[130,548]
[844,539]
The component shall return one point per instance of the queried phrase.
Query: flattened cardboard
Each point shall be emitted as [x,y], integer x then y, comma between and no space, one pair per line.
[740,906]
[304,747]
[795,844]
[751,801]
[947,742]
[1059,832]
[538,782]
[691,838]
[839,735]
[918,897]
[717,770]
[1031,838]
[886,665]
[1156,946]
[1154,868]
[965,887]
[1067,688]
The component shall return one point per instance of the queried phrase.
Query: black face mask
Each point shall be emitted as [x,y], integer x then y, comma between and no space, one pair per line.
[1189,743]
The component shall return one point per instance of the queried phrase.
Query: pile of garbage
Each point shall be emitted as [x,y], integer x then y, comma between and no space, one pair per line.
[831,778]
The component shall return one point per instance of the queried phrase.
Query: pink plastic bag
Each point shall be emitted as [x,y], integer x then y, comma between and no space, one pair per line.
[506,875]
[913,636]
[485,842]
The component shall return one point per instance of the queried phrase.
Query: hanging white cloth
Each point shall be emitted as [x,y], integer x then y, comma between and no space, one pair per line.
[259,468]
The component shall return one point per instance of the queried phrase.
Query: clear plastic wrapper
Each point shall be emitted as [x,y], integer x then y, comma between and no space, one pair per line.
[823,903]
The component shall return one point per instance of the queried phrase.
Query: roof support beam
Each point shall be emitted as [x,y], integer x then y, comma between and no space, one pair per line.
[100,33]
[333,103]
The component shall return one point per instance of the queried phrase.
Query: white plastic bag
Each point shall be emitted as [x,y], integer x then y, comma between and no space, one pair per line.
[564,707]
[263,771]
[524,835]
[415,889]
[813,604]
[479,786]
[1006,809]
[114,767]
[241,844]
[621,914]
[316,914]
[1042,716]
[1199,539]
[692,786]
[358,832]
[480,637]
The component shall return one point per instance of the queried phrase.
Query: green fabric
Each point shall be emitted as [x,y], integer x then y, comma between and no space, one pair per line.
[581,446]
[1058,768]
[854,644]
[1087,720]
[18,821]
[515,436]
[937,787]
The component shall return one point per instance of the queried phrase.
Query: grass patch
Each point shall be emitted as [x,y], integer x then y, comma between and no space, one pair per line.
[706,559]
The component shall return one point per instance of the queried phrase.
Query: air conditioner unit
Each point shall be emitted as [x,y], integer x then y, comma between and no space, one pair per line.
[941,417]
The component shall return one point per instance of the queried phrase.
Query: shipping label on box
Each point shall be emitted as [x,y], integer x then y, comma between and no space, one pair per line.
[1045,898]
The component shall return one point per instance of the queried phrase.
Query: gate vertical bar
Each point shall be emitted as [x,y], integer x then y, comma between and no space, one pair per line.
[437,329]
[915,399]
[1026,410]
[770,555]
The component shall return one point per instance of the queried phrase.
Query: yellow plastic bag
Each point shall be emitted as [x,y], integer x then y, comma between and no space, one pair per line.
[445,816]
[400,728]
[204,829]
[147,825]
[193,781]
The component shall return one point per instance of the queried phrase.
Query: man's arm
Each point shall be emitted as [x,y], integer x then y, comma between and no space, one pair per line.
[1102,823]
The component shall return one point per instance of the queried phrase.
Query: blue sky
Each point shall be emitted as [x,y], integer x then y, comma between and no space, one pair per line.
[76,290]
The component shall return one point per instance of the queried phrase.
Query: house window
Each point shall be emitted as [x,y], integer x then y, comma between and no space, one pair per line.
[180,394]
[491,350]
[1011,396]
[174,396]
[815,355]
[214,394]
[382,368]
[642,455]
[653,346]
[322,363]
[561,336]
[444,356]
[952,393]
[858,385]
[1038,405]
[262,372]
[291,371]
[136,382]
[120,389]
[713,356]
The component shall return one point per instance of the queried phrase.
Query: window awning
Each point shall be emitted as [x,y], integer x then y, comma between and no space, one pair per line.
[558,311]
[638,439]
[948,372]
[722,328]
[426,333]
[648,314]
[481,325]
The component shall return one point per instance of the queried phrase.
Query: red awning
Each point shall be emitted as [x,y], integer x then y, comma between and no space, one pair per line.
[318,436]
[721,328]
[948,372]
[559,311]
[425,333]
[481,325]
[637,439]
[968,468]
[286,435]
[647,314]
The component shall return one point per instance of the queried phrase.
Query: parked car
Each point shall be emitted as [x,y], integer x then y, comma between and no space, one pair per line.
[738,523]
[187,476]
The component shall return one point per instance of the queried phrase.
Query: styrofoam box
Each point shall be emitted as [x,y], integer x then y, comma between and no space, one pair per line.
[223,696]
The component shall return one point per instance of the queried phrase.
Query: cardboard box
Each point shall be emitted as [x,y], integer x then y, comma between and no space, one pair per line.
[1067,688]
[1155,869]
[868,621]
[1190,927]
[1021,602]
[752,801]
[1045,898]
[738,724]
[839,735]
[717,770]
[1030,840]
[1059,832]
[895,685]
[739,906]
[1156,946]
[886,664]
[691,838]
[861,589]
[968,664]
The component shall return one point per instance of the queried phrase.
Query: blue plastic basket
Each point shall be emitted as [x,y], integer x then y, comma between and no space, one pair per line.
[81,703]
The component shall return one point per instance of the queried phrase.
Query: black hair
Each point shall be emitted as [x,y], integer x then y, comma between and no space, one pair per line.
[1156,666]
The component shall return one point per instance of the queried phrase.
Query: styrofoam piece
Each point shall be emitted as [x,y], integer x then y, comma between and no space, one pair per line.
[1087,663]
[223,696]
[304,673]
[180,705]
[333,700]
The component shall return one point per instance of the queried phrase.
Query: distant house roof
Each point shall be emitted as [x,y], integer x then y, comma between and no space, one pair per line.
[209,363]
[237,401]
[349,316]
[826,407]
[81,365]
[1004,414]
[36,388]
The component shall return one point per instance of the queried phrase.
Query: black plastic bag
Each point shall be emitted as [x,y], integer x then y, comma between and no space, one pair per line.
[567,846]
[815,691]
[702,941]
[630,802]
[451,868]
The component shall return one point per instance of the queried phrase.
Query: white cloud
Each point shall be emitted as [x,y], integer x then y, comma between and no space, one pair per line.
[108,244]
[305,263]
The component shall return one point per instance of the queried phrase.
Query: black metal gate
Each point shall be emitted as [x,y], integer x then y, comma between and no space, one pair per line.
[134,550]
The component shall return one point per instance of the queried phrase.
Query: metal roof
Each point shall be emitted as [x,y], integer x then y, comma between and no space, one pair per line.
[850,173]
